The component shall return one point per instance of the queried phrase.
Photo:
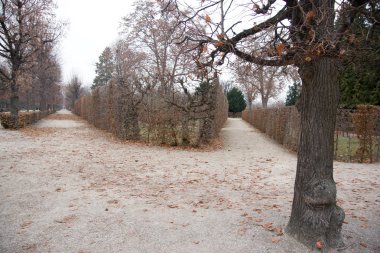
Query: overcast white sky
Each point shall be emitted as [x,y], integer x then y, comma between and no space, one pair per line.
[93,25]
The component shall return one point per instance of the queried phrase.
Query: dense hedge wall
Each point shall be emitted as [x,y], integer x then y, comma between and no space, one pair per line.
[357,137]
[155,117]
[23,119]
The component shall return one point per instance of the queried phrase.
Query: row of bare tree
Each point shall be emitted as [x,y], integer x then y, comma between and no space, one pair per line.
[29,70]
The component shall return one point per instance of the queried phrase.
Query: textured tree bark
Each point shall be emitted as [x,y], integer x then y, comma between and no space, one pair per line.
[185,130]
[14,104]
[315,215]
[264,101]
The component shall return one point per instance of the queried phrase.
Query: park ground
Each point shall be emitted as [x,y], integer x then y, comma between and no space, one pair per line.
[68,187]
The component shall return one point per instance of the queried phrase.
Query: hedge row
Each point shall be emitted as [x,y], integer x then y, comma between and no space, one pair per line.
[281,124]
[155,117]
[361,125]
[23,119]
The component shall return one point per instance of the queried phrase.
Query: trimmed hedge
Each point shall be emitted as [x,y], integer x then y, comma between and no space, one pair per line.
[363,124]
[24,118]
[155,120]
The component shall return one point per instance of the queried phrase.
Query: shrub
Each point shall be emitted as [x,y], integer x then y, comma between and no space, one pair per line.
[9,121]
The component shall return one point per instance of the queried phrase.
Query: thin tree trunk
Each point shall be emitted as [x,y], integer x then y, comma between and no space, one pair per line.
[264,101]
[315,215]
[131,123]
[250,112]
[185,130]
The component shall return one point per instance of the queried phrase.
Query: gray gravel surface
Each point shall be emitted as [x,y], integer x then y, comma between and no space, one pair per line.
[75,189]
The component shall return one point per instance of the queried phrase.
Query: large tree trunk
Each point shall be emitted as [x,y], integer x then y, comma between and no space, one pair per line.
[264,101]
[14,105]
[315,215]
[14,99]
[185,130]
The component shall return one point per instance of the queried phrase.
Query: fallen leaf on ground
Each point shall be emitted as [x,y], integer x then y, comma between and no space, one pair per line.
[196,242]
[114,201]
[67,219]
[268,226]
[173,206]
[244,214]
[276,239]
[59,189]
[364,245]
[26,224]
[278,231]
[242,231]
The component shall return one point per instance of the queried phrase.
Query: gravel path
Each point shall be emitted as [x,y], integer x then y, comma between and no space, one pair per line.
[67,187]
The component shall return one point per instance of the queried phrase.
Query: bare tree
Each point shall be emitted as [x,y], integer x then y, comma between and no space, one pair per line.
[46,73]
[227,85]
[152,32]
[73,91]
[301,33]
[24,26]
[267,82]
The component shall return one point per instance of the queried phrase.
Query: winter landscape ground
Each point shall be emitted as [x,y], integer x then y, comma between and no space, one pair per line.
[68,187]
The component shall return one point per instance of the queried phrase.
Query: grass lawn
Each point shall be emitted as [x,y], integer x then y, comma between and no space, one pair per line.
[348,147]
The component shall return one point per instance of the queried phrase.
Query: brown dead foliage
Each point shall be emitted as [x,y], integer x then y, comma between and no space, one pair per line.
[57,116]
[38,132]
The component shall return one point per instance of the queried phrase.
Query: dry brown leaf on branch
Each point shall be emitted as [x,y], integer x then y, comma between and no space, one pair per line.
[207,19]
[310,15]
[220,36]
[280,49]
[218,44]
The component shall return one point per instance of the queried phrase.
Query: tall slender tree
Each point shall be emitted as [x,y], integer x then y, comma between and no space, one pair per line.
[73,91]
[104,68]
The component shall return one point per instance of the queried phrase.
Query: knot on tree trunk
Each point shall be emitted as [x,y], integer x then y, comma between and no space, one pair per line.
[320,193]
[333,235]
[321,219]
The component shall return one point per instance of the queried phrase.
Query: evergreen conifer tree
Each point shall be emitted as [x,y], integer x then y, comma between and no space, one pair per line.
[236,102]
